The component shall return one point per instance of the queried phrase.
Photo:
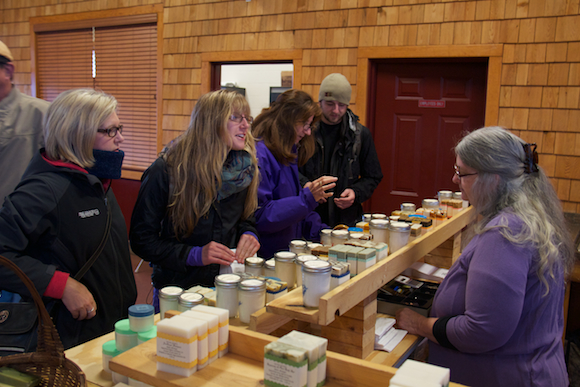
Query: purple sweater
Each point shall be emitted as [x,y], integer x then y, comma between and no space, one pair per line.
[285,209]
[507,333]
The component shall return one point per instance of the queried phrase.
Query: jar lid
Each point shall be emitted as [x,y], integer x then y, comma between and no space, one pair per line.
[123,327]
[270,263]
[298,243]
[306,257]
[285,256]
[399,226]
[141,310]
[250,285]
[227,280]
[379,223]
[110,348]
[379,216]
[148,334]
[445,194]
[170,292]
[326,231]
[191,299]
[318,266]
[313,245]
[408,207]
[342,234]
[254,261]
[394,218]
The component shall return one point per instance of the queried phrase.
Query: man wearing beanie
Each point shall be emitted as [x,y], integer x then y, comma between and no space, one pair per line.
[345,149]
[20,126]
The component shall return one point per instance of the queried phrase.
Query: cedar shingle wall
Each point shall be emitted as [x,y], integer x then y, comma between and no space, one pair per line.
[540,74]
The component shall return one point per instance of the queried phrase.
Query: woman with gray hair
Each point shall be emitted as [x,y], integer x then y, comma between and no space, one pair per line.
[497,318]
[63,212]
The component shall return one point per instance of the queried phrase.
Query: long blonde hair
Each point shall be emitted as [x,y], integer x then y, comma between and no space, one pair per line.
[196,159]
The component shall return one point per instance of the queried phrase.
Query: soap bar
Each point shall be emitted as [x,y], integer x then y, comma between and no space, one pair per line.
[224,319]
[12,377]
[177,345]
[285,365]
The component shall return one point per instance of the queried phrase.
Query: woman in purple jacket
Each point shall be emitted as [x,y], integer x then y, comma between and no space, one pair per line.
[285,209]
[497,318]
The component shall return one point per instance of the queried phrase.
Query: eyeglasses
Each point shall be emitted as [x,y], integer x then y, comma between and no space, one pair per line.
[306,126]
[459,175]
[238,119]
[112,131]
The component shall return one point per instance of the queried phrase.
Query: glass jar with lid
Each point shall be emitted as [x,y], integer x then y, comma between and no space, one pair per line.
[299,262]
[270,268]
[251,297]
[254,266]
[399,233]
[325,237]
[226,287]
[169,299]
[315,281]
[408,208]
[188,300]
[297,246]
[379,229]
[285,267]
[339,237]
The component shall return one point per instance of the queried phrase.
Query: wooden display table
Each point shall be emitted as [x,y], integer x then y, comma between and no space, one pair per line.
[347,314]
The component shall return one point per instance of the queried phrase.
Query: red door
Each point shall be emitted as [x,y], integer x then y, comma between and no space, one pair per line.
[421,109]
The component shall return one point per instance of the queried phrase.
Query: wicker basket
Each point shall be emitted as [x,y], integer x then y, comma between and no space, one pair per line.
[48,362]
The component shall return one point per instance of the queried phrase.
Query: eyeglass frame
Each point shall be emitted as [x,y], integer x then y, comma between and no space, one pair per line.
[239,119]
[460,175]
[115,129]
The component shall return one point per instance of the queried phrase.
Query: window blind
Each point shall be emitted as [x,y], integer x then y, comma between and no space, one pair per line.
[126,65]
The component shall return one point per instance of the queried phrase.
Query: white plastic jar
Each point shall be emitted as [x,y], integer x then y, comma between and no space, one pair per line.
[141,317]
[226,286]
[399,233]
[379,228]
[169,299]
[125,338]
[315,281]
[299,262]
[326,237]
[285,269]
[254,266]
[297,246]
[339,237]
[252,297]
[188,300]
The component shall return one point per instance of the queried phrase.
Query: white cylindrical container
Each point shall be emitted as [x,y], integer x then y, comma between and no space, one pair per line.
[326,237]
[109,351]
[316,282]
[430,205]
[444,197]
[141,317]
[379,216]
[125,338]
[251,296]
[226,286]
[189,300]
[169,299]
[398,235]
[285,269]
[270,268]
[408,208]
[297,246]
[339,237]
[299,262]
[379,229]
[367,217]
[254,266]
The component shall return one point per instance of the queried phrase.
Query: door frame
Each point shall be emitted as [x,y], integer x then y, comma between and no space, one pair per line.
[493,52]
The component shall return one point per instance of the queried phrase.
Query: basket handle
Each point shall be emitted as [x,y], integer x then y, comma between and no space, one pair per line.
[48,338]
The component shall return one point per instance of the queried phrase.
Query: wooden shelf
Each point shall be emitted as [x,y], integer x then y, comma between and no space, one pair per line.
[340,300]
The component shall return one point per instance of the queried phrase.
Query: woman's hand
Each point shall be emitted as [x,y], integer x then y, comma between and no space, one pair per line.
[415,324]
[247,247]
[215,252]
[78,300]
[319,187]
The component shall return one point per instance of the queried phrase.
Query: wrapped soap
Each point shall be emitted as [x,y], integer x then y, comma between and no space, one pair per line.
[365,259]
[177,345]
[340,273]
[285,365]
[275,289]
[352,259]
[315,348]
[224,326]
[212,331]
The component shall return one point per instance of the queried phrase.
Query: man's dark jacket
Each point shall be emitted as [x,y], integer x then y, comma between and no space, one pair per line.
[354,161]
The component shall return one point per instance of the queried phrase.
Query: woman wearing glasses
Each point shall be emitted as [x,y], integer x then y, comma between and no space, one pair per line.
[52,225]
[497,317]
[197,200]
[285,209]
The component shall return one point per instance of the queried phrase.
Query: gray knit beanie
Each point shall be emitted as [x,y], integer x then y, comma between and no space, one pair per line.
[335,87]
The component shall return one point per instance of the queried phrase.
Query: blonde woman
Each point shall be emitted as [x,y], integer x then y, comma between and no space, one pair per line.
[197,200]
[497,317]
[54,221]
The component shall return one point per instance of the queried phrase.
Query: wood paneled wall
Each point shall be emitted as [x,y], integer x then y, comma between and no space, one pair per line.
[539,75]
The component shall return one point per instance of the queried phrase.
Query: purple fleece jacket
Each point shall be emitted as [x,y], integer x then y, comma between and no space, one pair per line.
[506,331]
[285,209]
